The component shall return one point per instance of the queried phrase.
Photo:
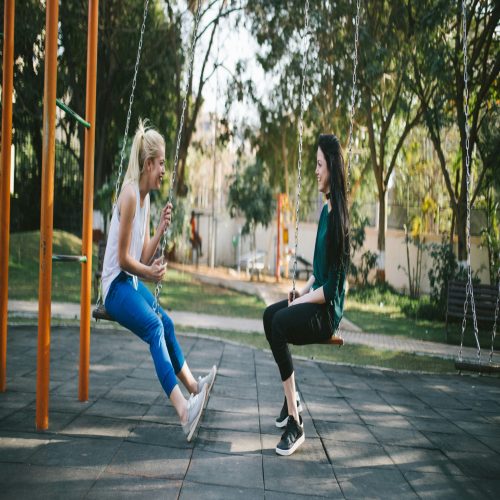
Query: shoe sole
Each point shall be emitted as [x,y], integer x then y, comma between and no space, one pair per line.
[209,388]
[283,423]
[293,449]
[197,420]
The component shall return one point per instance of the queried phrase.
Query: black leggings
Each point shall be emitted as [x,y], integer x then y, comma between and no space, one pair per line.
[299,325]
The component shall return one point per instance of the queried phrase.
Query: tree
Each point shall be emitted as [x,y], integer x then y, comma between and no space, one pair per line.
[251,194]
[439,82]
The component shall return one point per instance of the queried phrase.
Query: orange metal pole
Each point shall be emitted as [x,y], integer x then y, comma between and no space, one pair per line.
[7,86]
[47,215]
[88,202]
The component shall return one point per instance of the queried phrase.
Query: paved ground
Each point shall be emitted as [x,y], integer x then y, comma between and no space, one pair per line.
[369,433]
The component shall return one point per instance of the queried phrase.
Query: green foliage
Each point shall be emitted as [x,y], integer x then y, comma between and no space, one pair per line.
[250,194]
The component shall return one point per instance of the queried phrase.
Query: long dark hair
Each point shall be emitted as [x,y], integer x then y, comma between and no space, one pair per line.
[338,218]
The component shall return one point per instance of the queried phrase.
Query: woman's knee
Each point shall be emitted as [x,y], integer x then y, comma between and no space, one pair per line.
[154,329]
[267,319]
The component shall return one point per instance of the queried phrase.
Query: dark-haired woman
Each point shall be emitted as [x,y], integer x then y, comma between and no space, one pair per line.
[315,313]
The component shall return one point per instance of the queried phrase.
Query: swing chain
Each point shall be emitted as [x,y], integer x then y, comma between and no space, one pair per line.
[129,114]
[131,100]
[158,287]
[305,52]
[353,92]
[494,331]
[469,290]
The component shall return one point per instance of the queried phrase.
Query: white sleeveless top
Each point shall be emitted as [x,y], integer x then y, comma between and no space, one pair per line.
[111,268]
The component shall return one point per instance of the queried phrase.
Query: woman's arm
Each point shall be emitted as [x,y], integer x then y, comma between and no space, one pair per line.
[325,293]
[126,206]
[151,244]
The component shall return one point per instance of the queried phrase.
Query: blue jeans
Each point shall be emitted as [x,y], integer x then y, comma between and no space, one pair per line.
[133,309]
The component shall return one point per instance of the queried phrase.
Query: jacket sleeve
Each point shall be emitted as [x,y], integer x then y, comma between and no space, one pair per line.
[336,276]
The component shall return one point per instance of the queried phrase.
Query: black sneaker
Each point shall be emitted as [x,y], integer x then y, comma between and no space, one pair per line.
[283,416]
[292,438]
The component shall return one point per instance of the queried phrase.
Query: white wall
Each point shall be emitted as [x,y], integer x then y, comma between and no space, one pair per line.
[395,253]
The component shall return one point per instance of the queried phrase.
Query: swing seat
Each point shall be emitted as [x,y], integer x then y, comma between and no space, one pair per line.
[100,313]
[471,366]
[334,340]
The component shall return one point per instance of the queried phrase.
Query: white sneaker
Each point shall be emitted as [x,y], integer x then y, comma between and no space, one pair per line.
[207,380]
[195,407]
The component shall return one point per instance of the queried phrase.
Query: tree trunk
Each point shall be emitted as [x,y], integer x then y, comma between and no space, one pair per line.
[381,236]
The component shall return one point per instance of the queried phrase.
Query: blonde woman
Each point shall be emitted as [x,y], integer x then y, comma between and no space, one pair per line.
[129,258]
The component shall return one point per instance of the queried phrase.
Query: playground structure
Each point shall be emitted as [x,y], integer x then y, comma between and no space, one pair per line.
[47,198]
[46,233]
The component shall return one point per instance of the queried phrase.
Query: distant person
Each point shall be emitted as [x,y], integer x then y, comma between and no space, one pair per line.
[130,256]
[195,237]
[314,314]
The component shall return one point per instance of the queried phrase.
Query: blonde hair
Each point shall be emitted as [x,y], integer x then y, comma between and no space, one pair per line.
[148,143]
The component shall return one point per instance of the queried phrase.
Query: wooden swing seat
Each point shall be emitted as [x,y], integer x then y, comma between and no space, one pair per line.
[334,340]
[474,366]
[100,313]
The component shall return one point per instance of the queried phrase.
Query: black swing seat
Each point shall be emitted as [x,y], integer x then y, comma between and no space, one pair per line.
[474,366]
[100,313]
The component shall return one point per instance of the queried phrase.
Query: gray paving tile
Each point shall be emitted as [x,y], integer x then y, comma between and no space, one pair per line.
[435,425]
[311,451]
[67,451]
[19,446]
[344,454]
[58,483]
[95,426]
[133,395]
[279,495]
[243,471]
[116,409]
[24,420]
[227,441]
[145,460]
[200,491]
[339,431]
[489,487]
[112,486]
[159,434]
[479,465]
[162,414]
[374,483]
[280,475]
[385,420]
[230,421]
[236,405]
[448,442]
[428,485]
[422,460]
[401,437]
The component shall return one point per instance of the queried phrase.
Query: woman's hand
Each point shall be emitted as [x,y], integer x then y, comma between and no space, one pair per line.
[165,218]
[292,297]
[157,269]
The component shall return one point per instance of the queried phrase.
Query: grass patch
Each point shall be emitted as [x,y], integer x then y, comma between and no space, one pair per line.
[384,313]
[352,354]
[180,291]
[24,259]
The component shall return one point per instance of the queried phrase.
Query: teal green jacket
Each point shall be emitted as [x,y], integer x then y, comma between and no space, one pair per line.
[331,278]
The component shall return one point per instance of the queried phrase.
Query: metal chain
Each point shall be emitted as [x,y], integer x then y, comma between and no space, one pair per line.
[173,175]
[353,92]
[469,289]
[305,52]
[129,113]
[494,331]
